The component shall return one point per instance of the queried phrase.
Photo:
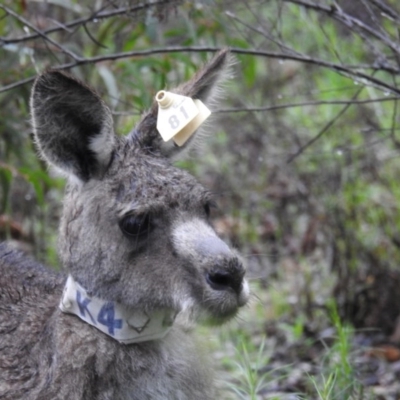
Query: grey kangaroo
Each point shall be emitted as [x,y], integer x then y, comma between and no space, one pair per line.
[141,261]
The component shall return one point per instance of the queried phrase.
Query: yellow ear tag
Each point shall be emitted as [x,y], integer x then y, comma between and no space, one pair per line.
[179,116]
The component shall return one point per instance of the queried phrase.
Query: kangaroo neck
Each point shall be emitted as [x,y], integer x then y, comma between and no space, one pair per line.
[124,324]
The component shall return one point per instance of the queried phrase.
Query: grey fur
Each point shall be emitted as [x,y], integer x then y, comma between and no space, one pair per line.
[178,263]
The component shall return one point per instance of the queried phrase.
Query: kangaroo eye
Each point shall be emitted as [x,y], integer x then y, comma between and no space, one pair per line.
[135,225]
[208,207]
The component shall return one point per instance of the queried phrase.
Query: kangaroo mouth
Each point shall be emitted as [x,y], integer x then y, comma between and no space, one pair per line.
[222,303]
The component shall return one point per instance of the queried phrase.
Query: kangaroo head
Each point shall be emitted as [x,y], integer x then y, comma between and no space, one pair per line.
[135,228]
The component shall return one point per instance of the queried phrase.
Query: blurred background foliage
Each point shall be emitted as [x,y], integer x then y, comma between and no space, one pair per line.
[302,157]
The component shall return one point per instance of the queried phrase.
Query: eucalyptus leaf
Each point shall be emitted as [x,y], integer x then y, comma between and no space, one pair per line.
[111,84]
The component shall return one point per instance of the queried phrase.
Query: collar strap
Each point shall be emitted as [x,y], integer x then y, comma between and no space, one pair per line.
[122,323]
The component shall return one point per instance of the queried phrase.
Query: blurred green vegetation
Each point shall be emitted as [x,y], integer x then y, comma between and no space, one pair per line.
[307,185]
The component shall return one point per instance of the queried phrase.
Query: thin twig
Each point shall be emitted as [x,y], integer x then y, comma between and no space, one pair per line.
[261,32]
[17,84]
[304,104]
[97,15]
[92,38]
[387,10]
[282,106]
[293,156]
[40,33]
[394,121]
[335,12]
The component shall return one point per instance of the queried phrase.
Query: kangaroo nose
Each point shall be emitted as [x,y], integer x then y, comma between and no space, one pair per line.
[227,277]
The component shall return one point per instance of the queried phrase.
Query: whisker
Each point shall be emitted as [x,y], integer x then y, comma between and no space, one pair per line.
[251,278]
[258,255]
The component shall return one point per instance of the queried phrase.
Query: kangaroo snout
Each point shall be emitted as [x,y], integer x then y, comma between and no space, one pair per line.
[219,268]
[224,270]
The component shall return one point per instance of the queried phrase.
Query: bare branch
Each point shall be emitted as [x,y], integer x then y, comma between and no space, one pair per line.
[17,84]
[40,33]
[260,31]
[335,12]
[387,10]
[304,104]
[283,106]
[324,129]
[97,15]
[349,71]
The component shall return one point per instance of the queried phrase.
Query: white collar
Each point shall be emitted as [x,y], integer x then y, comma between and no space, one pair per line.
[124,324]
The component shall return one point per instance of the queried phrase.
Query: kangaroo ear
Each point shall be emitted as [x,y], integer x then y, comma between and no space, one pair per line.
[203,86]
[73,127]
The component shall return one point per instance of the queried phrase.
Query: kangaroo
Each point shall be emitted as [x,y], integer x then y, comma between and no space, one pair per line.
[141,261]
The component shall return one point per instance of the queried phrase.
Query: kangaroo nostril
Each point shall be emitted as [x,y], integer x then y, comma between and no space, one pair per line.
[219,280]
[224,279]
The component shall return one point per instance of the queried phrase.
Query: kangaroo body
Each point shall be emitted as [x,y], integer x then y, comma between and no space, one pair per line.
[135,235]
[71,358]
